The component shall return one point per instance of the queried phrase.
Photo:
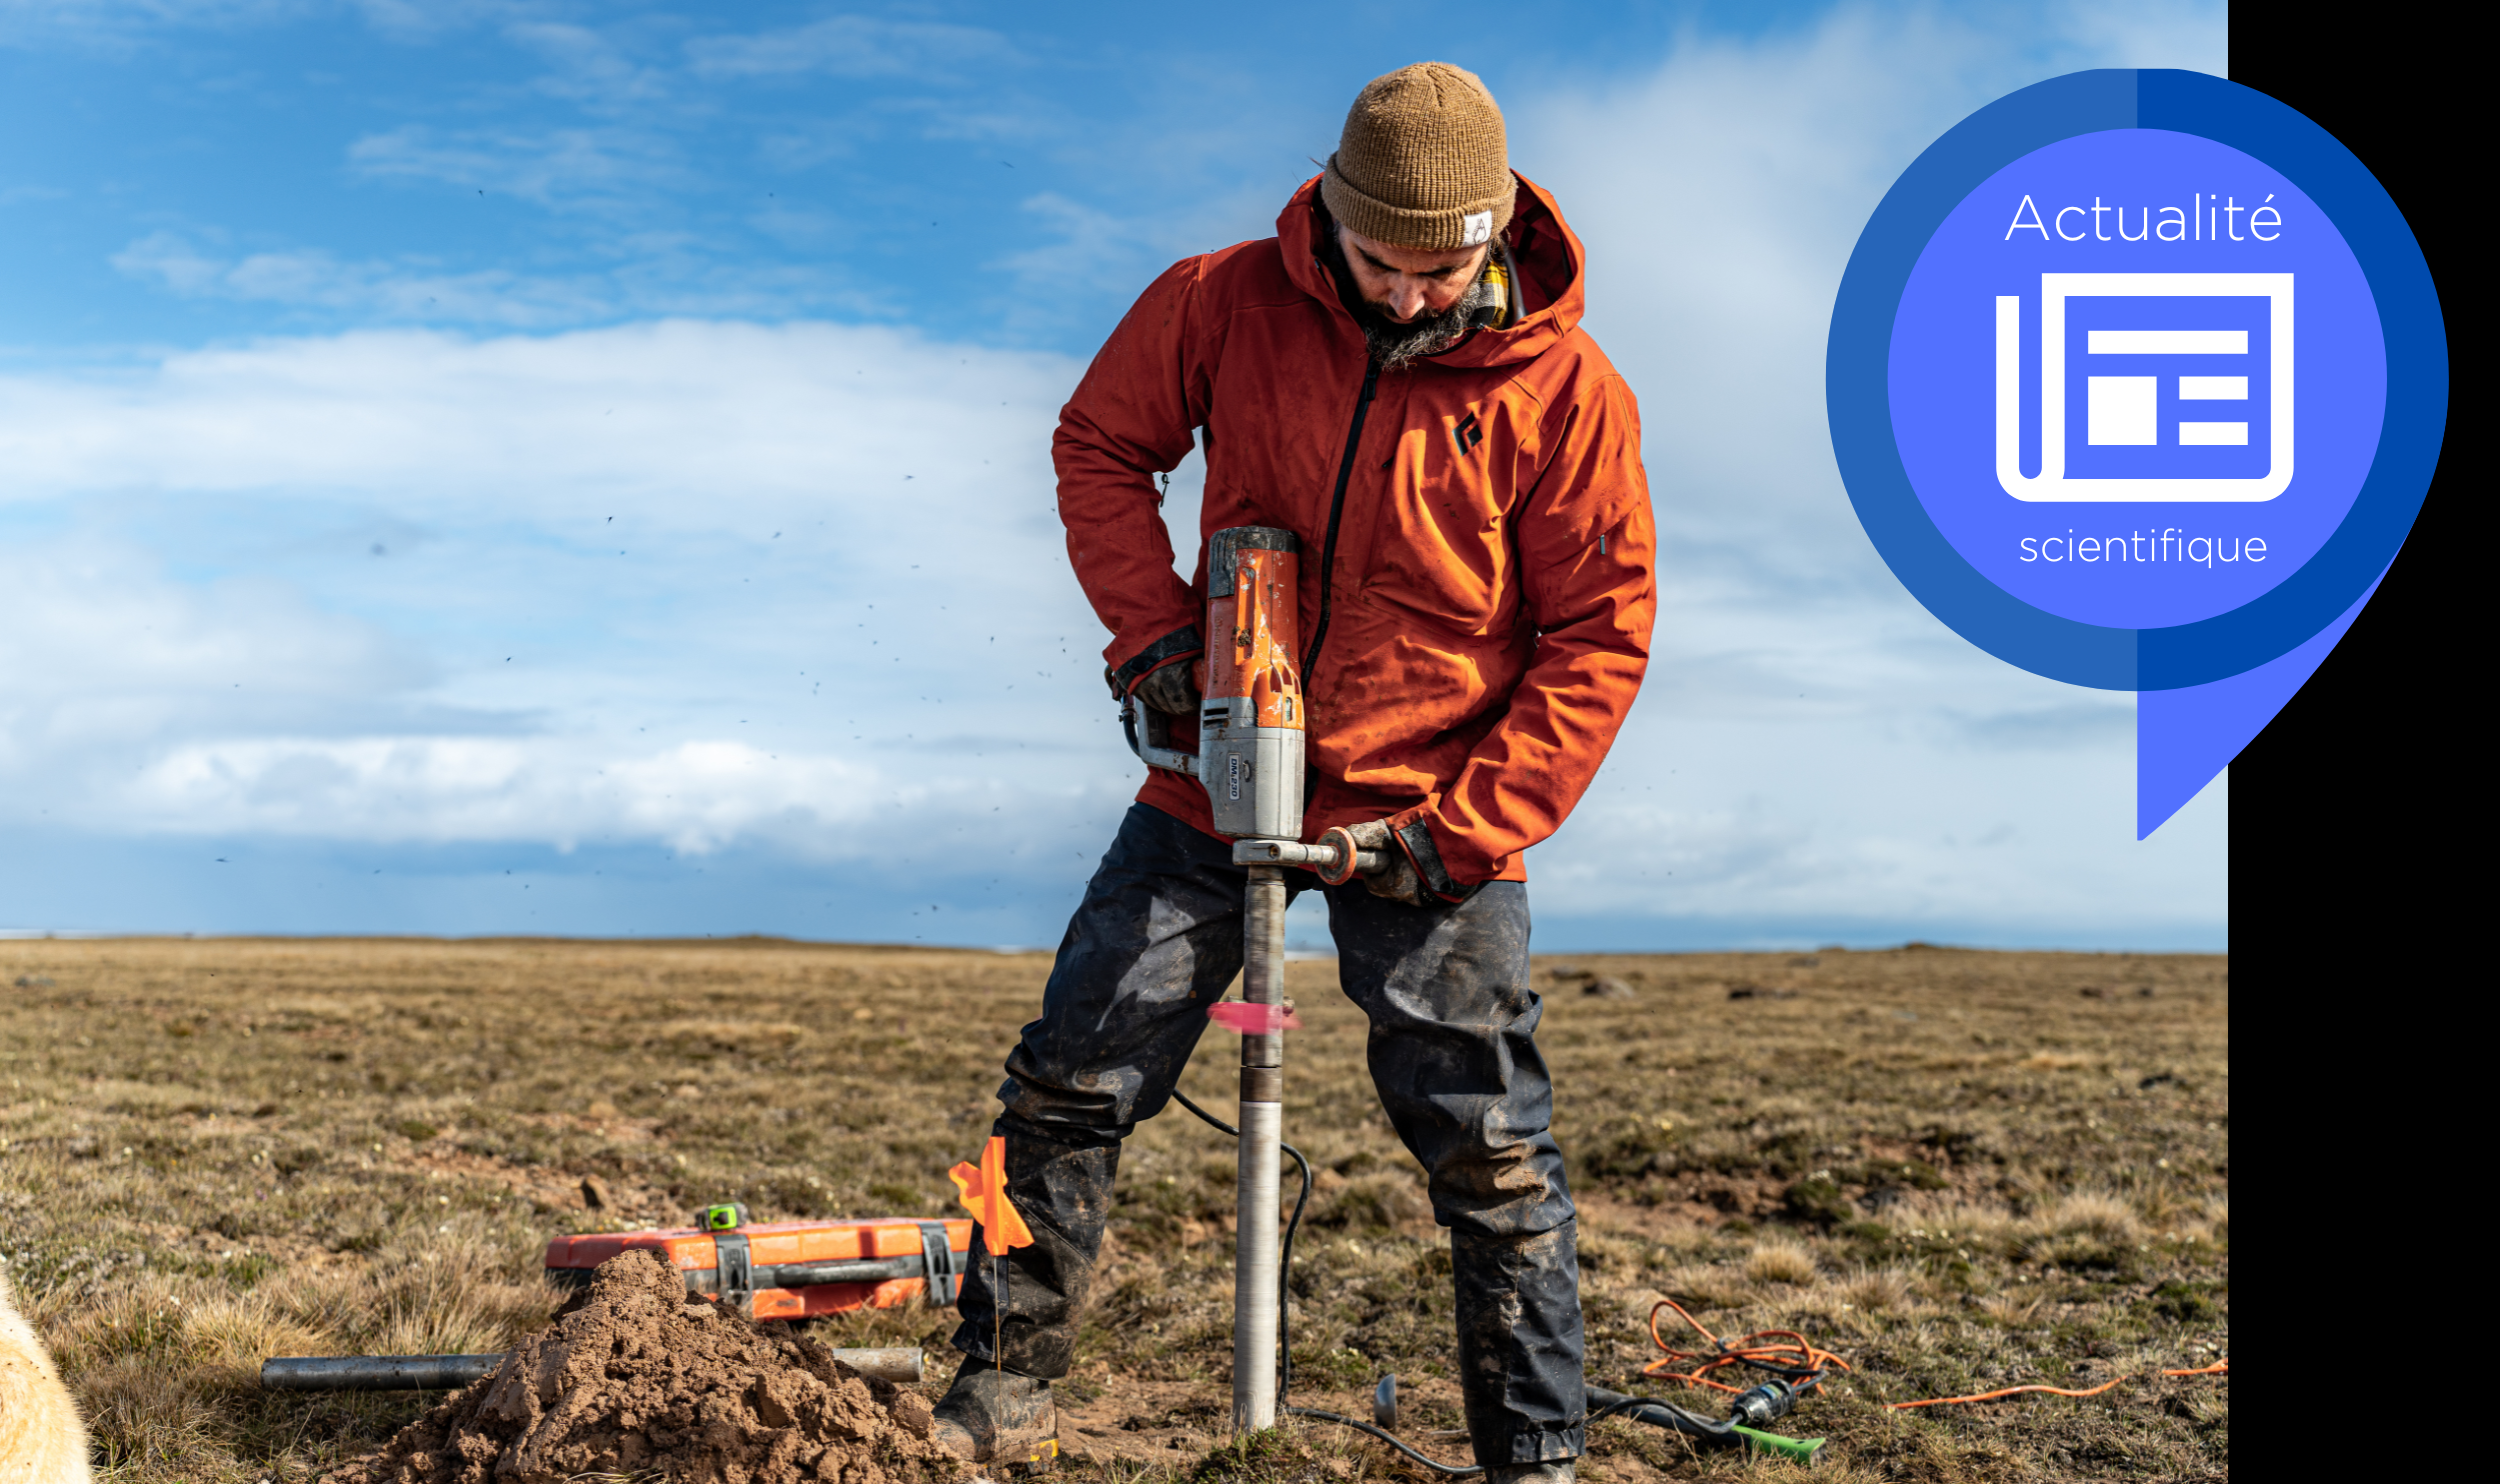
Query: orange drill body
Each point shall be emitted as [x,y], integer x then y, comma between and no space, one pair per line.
[1251,722]
[1250,726]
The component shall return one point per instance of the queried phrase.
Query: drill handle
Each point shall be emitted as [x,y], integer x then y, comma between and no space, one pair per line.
[1155,748]
[1333,855]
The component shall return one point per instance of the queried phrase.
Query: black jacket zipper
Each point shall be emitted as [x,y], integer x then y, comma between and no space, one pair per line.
[1336,515]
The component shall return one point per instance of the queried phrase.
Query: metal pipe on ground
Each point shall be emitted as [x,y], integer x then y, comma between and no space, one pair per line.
[902,1365]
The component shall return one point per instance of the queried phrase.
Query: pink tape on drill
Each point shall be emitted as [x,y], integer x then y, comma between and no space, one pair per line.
[1253,1020]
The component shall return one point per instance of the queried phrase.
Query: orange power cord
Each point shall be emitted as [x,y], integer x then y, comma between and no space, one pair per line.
[1788,1351]
[1784,1348]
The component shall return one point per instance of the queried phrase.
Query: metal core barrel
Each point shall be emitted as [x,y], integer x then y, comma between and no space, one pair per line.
[375,1372]
[1262,1127]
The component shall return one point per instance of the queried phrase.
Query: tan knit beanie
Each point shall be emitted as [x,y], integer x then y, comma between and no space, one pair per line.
[1423,163]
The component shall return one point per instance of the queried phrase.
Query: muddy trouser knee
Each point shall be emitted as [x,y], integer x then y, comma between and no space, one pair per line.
[1155,941]
[1453,1052]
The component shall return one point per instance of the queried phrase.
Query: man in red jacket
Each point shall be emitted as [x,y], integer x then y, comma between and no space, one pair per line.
[1397,376]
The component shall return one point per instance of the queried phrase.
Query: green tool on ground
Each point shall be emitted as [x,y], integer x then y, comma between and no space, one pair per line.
[1796,1450]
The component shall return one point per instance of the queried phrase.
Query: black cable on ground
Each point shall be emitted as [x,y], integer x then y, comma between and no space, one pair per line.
[1670,1416]
[1446,1470]
[1284,1330]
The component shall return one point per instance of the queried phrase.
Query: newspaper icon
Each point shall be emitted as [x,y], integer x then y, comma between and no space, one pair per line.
[2153,387]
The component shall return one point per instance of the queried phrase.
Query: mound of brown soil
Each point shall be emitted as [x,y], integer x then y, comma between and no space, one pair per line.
[637,1381]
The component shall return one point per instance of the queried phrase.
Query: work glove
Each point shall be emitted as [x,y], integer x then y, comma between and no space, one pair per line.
[1396,879]
[1170,690]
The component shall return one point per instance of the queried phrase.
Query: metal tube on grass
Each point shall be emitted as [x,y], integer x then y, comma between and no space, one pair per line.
[1255,1289]
[898,1364]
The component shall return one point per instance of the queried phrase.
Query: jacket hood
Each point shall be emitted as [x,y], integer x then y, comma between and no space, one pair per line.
[1547,251]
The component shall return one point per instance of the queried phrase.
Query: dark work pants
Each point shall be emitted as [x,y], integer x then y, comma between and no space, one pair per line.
[1452,1052]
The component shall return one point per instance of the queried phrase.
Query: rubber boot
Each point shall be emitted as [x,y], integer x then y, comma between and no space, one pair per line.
[998,1418]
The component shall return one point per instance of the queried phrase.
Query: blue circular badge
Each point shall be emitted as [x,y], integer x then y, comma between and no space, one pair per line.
[2137,379]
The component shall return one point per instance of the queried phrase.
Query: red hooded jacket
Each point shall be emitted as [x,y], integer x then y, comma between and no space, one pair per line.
[1477,548]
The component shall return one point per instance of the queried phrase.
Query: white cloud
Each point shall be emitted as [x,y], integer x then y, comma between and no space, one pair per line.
[854,46]
[690,423]
[693,582]
[366,290]
[122,21]
[591,67]
[1085,249]
[410,20]
[2147,33]
[601,166]
[107,663]
[696,796]
[659,281]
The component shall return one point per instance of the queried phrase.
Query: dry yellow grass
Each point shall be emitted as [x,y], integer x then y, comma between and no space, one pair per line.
[1886,1290]
[1782,1260]
[1961,1170]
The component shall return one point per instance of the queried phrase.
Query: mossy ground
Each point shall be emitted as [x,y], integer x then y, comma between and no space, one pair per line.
[1959,1170]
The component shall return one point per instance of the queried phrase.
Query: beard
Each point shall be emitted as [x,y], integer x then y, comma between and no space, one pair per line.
[1393,343]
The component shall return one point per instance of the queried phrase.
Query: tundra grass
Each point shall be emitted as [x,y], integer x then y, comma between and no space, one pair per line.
[1958,1170]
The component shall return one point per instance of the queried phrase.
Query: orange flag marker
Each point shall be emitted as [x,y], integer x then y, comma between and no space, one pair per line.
[983,1191]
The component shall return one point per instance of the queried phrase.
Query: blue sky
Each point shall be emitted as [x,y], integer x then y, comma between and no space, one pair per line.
[571,468]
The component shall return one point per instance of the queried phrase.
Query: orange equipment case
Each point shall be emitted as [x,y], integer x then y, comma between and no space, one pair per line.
[794,1269]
